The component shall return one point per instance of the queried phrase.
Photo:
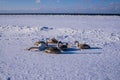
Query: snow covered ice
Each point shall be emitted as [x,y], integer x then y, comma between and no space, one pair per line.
[18,32]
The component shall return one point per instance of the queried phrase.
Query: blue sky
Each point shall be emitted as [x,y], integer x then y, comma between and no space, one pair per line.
[60,6]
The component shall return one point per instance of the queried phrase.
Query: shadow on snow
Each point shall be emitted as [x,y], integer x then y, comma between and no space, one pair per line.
[92,50]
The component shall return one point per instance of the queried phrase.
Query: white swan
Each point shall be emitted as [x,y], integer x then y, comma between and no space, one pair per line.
[41,45]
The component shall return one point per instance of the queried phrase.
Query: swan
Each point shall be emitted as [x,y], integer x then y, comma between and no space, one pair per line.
[82,46]
[52,40]
[39,42]
[41,45]
[52,50]
[62,46]
[58,49]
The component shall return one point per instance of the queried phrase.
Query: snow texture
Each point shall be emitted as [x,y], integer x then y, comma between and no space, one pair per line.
[101,62]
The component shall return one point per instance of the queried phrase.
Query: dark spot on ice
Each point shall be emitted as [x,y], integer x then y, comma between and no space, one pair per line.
[66,36]
[14,25]
[6,39]
[28,34]
[28,26]
[46,28]
[21,27]
[107,78]
[112,34]
[17,38]
[8,78]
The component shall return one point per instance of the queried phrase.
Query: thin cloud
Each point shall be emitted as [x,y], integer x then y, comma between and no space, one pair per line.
[58,1]
[37,1]
[115,6]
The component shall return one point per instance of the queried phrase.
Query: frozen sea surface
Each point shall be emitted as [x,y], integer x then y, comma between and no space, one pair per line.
[101,62]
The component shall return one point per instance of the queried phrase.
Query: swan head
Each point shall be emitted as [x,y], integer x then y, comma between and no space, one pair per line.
[39,43]
[52,40]
[62,46]
[76,43]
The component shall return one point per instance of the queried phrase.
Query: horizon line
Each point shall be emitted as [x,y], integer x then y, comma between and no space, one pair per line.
[60,14]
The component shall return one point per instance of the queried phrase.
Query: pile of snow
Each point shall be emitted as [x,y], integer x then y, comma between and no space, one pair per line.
[99,63]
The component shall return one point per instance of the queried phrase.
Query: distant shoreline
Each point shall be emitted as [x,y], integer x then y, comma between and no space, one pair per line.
[59,14]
